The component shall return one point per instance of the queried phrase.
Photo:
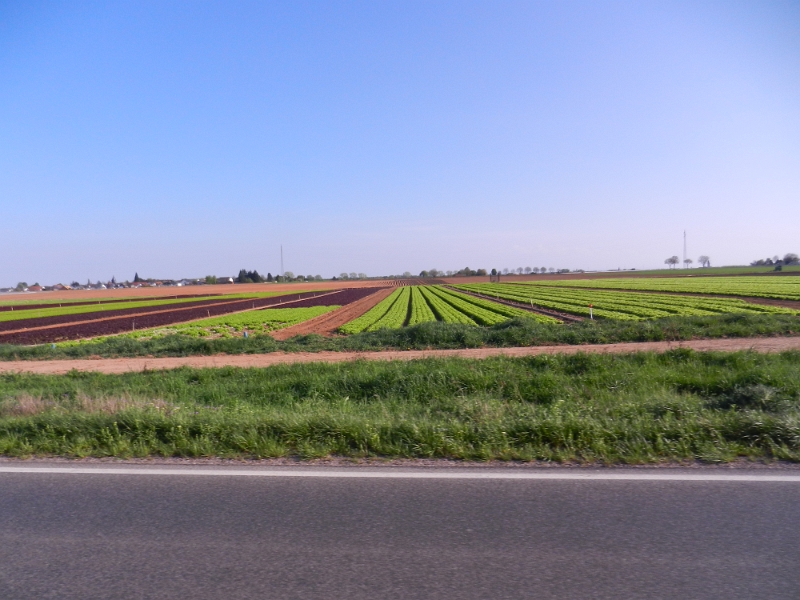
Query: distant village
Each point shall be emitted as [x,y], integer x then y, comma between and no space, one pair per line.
[244,276]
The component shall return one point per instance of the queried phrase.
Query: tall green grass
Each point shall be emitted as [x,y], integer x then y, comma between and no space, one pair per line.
[638,408]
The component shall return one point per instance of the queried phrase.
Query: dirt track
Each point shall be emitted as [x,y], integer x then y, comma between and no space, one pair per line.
[126,365]
[328,323]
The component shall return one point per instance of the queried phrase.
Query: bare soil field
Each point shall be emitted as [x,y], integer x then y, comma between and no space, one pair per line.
[328,323]
[127,365]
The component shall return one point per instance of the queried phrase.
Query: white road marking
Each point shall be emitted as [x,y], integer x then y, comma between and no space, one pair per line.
[386,473]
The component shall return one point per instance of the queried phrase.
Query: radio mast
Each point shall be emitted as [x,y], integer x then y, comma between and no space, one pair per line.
[283,273]
[684,249]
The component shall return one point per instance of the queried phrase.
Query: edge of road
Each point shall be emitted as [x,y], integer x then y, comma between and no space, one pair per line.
[420,473]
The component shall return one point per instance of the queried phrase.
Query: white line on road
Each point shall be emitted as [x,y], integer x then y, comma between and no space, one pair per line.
[357,473]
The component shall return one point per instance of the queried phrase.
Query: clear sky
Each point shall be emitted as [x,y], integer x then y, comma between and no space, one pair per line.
[182,139]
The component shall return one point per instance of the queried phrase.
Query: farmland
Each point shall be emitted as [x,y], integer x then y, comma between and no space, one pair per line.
[44,311]
[619,305]
[527,313]
[111,322]
[413,305]
[777,287]
[253,322]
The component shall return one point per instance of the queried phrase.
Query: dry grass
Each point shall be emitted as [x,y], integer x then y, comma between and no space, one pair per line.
[26,405]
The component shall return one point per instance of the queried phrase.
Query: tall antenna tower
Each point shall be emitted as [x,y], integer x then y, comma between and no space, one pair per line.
[283,273]
[684,250]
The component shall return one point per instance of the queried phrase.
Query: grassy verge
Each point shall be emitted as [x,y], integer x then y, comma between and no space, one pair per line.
[639,408]
[517,332]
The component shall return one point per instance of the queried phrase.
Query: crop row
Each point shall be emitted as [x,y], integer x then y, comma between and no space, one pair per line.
[776,287]
[421,311]
[509,312]
[619,305]
[413,305]
[254,321]
[445,311]
[373,315]
[101,309]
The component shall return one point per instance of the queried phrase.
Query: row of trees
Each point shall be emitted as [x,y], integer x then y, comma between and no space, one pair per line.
[673,261]
[788,259]
[467,272]
[254,277]
[705,261]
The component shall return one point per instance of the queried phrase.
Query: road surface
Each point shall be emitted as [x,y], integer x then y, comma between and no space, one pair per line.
[177,533]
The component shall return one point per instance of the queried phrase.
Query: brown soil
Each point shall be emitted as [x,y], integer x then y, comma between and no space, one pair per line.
[126,365]
[194,290]
[328,323]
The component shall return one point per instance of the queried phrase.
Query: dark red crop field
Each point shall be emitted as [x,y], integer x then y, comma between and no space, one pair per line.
[18,307]
[109,324]
[105,314]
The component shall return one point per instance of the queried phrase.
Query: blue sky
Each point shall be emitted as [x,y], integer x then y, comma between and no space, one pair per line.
[190,138]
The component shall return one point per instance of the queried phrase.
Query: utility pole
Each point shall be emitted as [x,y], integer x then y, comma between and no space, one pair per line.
[283,274]
[684,249]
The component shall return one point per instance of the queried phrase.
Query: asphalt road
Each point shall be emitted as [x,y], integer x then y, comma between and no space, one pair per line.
[178,536]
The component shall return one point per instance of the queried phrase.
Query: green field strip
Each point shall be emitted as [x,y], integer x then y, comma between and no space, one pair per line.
[370,317]
[480,315]
[101,308]
[621,305]
[119,301]
[444,311]
[90,308]
[774,287]
[421,312]
[255,321]
[678,304]
[397,314]
[502,309]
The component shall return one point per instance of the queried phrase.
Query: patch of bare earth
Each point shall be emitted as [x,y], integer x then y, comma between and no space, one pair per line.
[328,323]
[127,365]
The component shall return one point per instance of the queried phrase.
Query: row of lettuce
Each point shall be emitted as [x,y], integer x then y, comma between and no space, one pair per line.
[413,305]
[489,304]
[629,306]
[779,287]
[19,312]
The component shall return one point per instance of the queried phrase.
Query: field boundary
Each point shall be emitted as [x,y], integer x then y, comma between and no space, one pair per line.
[537,309]
[546,474]
[795,304]
[160,311]
[128,365]
[328,323]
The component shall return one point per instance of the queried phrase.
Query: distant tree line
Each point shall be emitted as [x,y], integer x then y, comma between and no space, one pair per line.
[788,259]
